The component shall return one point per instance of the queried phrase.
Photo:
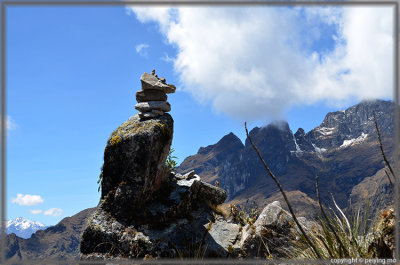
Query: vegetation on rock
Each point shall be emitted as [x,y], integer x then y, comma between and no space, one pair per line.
[171,162]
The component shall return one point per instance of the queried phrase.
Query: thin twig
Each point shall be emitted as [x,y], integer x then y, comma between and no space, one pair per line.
[387,174]
[346,253]
[381,146]
[283,193]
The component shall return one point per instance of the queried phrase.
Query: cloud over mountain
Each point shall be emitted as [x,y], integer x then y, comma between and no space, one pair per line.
[257,62]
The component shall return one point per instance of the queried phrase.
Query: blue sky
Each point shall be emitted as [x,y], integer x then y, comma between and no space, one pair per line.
[72,75]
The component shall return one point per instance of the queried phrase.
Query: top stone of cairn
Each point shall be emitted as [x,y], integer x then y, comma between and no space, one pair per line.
[151,81]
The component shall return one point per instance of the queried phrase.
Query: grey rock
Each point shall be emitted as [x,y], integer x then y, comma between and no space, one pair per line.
[209,193]
[189,175]
[272,214]
[178,176]
[157,112]
[274,228]
[151,95]
[222,236]
[133,163]
[151,105]
[147,115]
[152,82]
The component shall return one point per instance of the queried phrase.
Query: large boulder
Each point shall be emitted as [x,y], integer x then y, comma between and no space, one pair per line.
[273,235]
[175,223]
[134,164]
[147,210]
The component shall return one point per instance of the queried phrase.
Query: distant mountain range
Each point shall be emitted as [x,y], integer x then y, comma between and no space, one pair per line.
[56,242]
[23,228]
[343,151]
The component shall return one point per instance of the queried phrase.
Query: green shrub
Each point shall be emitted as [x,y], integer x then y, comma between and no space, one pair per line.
[171,162]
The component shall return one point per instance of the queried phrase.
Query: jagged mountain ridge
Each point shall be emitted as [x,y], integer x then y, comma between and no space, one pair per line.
[342,151]
[340,127]
[23,227]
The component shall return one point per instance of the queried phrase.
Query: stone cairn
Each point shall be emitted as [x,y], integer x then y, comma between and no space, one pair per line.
[152,99]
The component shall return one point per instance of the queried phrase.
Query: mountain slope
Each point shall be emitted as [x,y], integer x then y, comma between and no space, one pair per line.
[342,151]
[56,242]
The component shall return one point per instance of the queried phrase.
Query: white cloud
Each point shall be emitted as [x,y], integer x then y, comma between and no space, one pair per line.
[257,62]
[53,212]
[162,15]
[27,200]
[141,49]
[36,211]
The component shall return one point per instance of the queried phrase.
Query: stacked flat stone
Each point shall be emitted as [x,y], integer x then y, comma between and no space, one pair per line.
[152,99]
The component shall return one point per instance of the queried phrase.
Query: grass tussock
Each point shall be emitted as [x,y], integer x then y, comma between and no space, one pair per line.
[339,237]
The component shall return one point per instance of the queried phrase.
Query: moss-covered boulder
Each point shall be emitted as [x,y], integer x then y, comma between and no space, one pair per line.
[134,164]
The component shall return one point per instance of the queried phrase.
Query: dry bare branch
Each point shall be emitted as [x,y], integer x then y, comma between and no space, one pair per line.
[381,146]
[283,193]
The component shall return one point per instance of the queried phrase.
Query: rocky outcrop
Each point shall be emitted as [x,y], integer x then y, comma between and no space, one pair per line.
[134,165]
[147,211]
[144,209]
[175,224]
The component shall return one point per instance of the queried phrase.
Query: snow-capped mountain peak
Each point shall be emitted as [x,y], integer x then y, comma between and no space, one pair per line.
[23,227]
